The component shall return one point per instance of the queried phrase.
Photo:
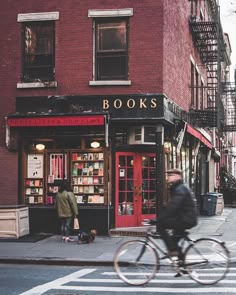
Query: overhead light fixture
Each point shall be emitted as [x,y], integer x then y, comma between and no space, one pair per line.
[95,144]
[40,147]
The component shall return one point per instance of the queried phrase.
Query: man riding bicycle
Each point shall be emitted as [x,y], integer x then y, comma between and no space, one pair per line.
[180,212]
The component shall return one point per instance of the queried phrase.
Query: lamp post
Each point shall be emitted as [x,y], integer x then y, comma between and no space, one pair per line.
[159,168]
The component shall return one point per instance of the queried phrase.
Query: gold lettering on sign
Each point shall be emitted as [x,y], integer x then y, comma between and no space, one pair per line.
[105,104]
[131,103]
[117,104]
[153,103]
[142,103]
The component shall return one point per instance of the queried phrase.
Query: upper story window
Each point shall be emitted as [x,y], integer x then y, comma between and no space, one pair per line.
[111,44]
[38,53]
[111,59]
[38,49]
[194,10]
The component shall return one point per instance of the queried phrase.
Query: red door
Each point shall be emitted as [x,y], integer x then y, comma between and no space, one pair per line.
[135,188]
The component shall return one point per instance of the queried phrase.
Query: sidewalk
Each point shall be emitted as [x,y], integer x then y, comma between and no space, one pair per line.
[53,251]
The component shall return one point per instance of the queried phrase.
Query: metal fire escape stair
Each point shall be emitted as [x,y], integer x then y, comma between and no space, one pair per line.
[208,39]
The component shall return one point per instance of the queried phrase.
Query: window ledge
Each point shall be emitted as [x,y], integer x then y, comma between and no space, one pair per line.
[110,12]
[110,83]
[39,16]
[46,84]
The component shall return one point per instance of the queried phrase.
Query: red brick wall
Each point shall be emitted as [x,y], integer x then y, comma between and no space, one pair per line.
[73,60]
[178,46]
[156,65]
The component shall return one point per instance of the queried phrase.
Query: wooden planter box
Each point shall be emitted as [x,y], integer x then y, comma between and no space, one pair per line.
[14,221]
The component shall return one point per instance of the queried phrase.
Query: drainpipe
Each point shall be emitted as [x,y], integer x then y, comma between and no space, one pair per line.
[159,168]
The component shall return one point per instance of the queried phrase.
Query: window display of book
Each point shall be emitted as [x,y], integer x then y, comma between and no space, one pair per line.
[34,191]
[87,177]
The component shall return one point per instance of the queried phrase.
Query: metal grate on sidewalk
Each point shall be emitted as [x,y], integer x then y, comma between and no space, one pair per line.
[127,233]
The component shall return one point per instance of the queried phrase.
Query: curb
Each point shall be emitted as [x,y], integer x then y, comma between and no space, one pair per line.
[49,261]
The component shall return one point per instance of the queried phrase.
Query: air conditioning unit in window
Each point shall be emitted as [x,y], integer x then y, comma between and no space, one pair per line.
[142,135]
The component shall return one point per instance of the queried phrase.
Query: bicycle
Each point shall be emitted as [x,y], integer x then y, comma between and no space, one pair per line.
[136,262]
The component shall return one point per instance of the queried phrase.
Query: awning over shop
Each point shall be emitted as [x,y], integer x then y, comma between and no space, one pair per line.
[39,121]
[199,136]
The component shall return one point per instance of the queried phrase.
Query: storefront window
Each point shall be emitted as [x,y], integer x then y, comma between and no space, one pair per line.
[45,170]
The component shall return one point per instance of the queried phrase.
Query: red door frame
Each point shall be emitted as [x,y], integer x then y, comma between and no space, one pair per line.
[131,191]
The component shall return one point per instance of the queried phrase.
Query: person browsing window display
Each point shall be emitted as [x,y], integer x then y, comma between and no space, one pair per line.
[180,212]
[67,209]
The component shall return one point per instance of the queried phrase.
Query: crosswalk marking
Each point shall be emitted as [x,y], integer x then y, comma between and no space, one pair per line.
[174,280]
[214,290]
[159,274]
[110,283]
[51,285]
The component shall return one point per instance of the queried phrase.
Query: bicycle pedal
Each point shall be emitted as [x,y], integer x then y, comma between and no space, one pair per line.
[178,275]
[164,257]
[184,271]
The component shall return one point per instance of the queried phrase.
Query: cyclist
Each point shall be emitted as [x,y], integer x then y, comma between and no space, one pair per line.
[179,214]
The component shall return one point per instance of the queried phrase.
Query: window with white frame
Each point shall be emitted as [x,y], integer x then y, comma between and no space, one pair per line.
[111,53]
[38,49]
[38,54]
[111,46]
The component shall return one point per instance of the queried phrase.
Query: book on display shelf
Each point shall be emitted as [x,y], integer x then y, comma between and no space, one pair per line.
[87,171]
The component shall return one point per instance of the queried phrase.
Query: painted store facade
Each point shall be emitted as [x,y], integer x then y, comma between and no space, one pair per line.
[108,111]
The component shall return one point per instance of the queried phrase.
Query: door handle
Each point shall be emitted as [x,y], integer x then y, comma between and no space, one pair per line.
[138,190]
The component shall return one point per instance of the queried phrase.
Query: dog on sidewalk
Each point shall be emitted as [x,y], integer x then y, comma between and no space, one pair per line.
[86,237]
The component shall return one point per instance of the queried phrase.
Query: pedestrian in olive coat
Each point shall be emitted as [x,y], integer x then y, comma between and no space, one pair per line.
[67,209]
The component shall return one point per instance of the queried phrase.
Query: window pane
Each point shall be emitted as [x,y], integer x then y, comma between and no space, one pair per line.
[38,51]
[111,50]
[112,36]
[109,67]
[36,74]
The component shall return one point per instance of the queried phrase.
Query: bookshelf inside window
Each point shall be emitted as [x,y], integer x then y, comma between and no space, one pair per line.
[87,177]
[57,173]
[34,191]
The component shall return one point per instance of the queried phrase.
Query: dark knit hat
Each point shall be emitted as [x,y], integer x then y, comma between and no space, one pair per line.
[174,171]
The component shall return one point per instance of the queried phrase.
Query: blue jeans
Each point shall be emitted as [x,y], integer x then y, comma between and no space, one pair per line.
[65,226]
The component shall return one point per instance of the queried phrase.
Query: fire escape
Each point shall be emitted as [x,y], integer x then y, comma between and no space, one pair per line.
[228,94]
[209,40]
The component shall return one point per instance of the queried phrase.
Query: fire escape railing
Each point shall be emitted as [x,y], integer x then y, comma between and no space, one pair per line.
[228,94]
[208,39]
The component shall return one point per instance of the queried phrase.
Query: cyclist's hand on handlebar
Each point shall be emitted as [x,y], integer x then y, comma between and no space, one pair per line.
[149,222]
[153,221]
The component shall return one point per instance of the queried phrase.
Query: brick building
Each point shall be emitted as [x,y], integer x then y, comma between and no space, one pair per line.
[137,78]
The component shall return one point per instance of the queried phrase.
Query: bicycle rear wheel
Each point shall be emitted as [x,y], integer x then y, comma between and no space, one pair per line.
[136,262]
[207,261]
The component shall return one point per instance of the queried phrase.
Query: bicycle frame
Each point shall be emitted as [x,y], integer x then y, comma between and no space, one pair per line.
[194,256]
[183,239]
[150,239]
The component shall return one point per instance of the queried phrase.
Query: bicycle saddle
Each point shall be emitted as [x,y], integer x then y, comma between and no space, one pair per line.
[181,235]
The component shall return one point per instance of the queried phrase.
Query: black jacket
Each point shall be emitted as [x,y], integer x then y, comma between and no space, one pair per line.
[181,206]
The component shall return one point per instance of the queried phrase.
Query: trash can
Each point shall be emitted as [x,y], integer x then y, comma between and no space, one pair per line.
[208,204]
[212,204]
[219,204]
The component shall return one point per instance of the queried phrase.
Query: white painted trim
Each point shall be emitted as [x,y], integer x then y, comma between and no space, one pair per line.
[192,59]
[197,69]
[40,16]
[202,79]
[94,50]
[110,12]
[48,84]
[105,83]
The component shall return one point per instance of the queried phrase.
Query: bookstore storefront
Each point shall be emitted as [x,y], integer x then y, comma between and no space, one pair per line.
[106,150]
[56,148]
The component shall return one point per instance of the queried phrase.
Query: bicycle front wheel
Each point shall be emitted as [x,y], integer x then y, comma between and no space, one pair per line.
[207,261]
[136,262]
